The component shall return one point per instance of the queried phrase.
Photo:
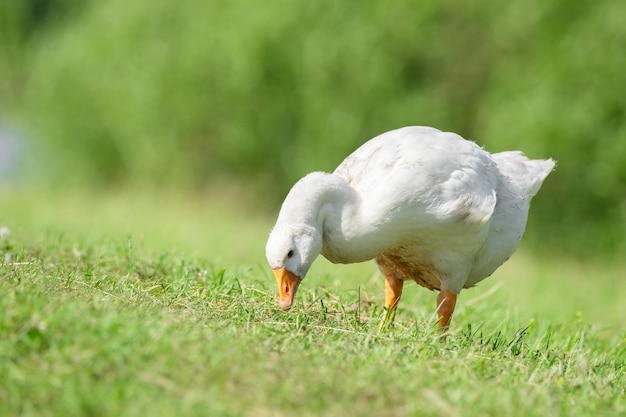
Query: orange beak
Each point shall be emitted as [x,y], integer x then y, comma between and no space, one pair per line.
[286,286]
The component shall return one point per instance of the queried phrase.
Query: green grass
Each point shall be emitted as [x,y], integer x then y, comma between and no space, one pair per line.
[163,305]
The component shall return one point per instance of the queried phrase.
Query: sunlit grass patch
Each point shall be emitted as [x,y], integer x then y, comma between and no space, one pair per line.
[102,322]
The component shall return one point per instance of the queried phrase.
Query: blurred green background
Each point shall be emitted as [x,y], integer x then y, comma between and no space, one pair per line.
[193,94]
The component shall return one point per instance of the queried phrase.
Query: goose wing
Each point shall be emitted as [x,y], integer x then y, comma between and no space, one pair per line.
[424,173]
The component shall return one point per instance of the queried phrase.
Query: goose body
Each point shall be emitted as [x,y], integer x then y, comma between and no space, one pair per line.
[427,205]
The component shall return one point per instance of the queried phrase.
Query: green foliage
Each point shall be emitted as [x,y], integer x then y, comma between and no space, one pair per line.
[22,25]
[187,92]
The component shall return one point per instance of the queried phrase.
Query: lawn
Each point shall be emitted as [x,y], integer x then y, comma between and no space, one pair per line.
[160,304]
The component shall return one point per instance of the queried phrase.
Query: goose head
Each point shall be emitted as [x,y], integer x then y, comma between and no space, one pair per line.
[290,251]
[313,206]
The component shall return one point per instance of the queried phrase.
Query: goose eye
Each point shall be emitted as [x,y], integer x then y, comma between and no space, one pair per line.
[290,254]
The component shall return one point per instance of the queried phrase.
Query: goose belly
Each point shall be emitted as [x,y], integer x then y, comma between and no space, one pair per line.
[414,268]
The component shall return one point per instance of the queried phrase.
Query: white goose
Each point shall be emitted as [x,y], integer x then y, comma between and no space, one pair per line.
[427,205]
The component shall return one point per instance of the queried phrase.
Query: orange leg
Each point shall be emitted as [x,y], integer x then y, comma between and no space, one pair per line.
[393,291]
[446,301]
